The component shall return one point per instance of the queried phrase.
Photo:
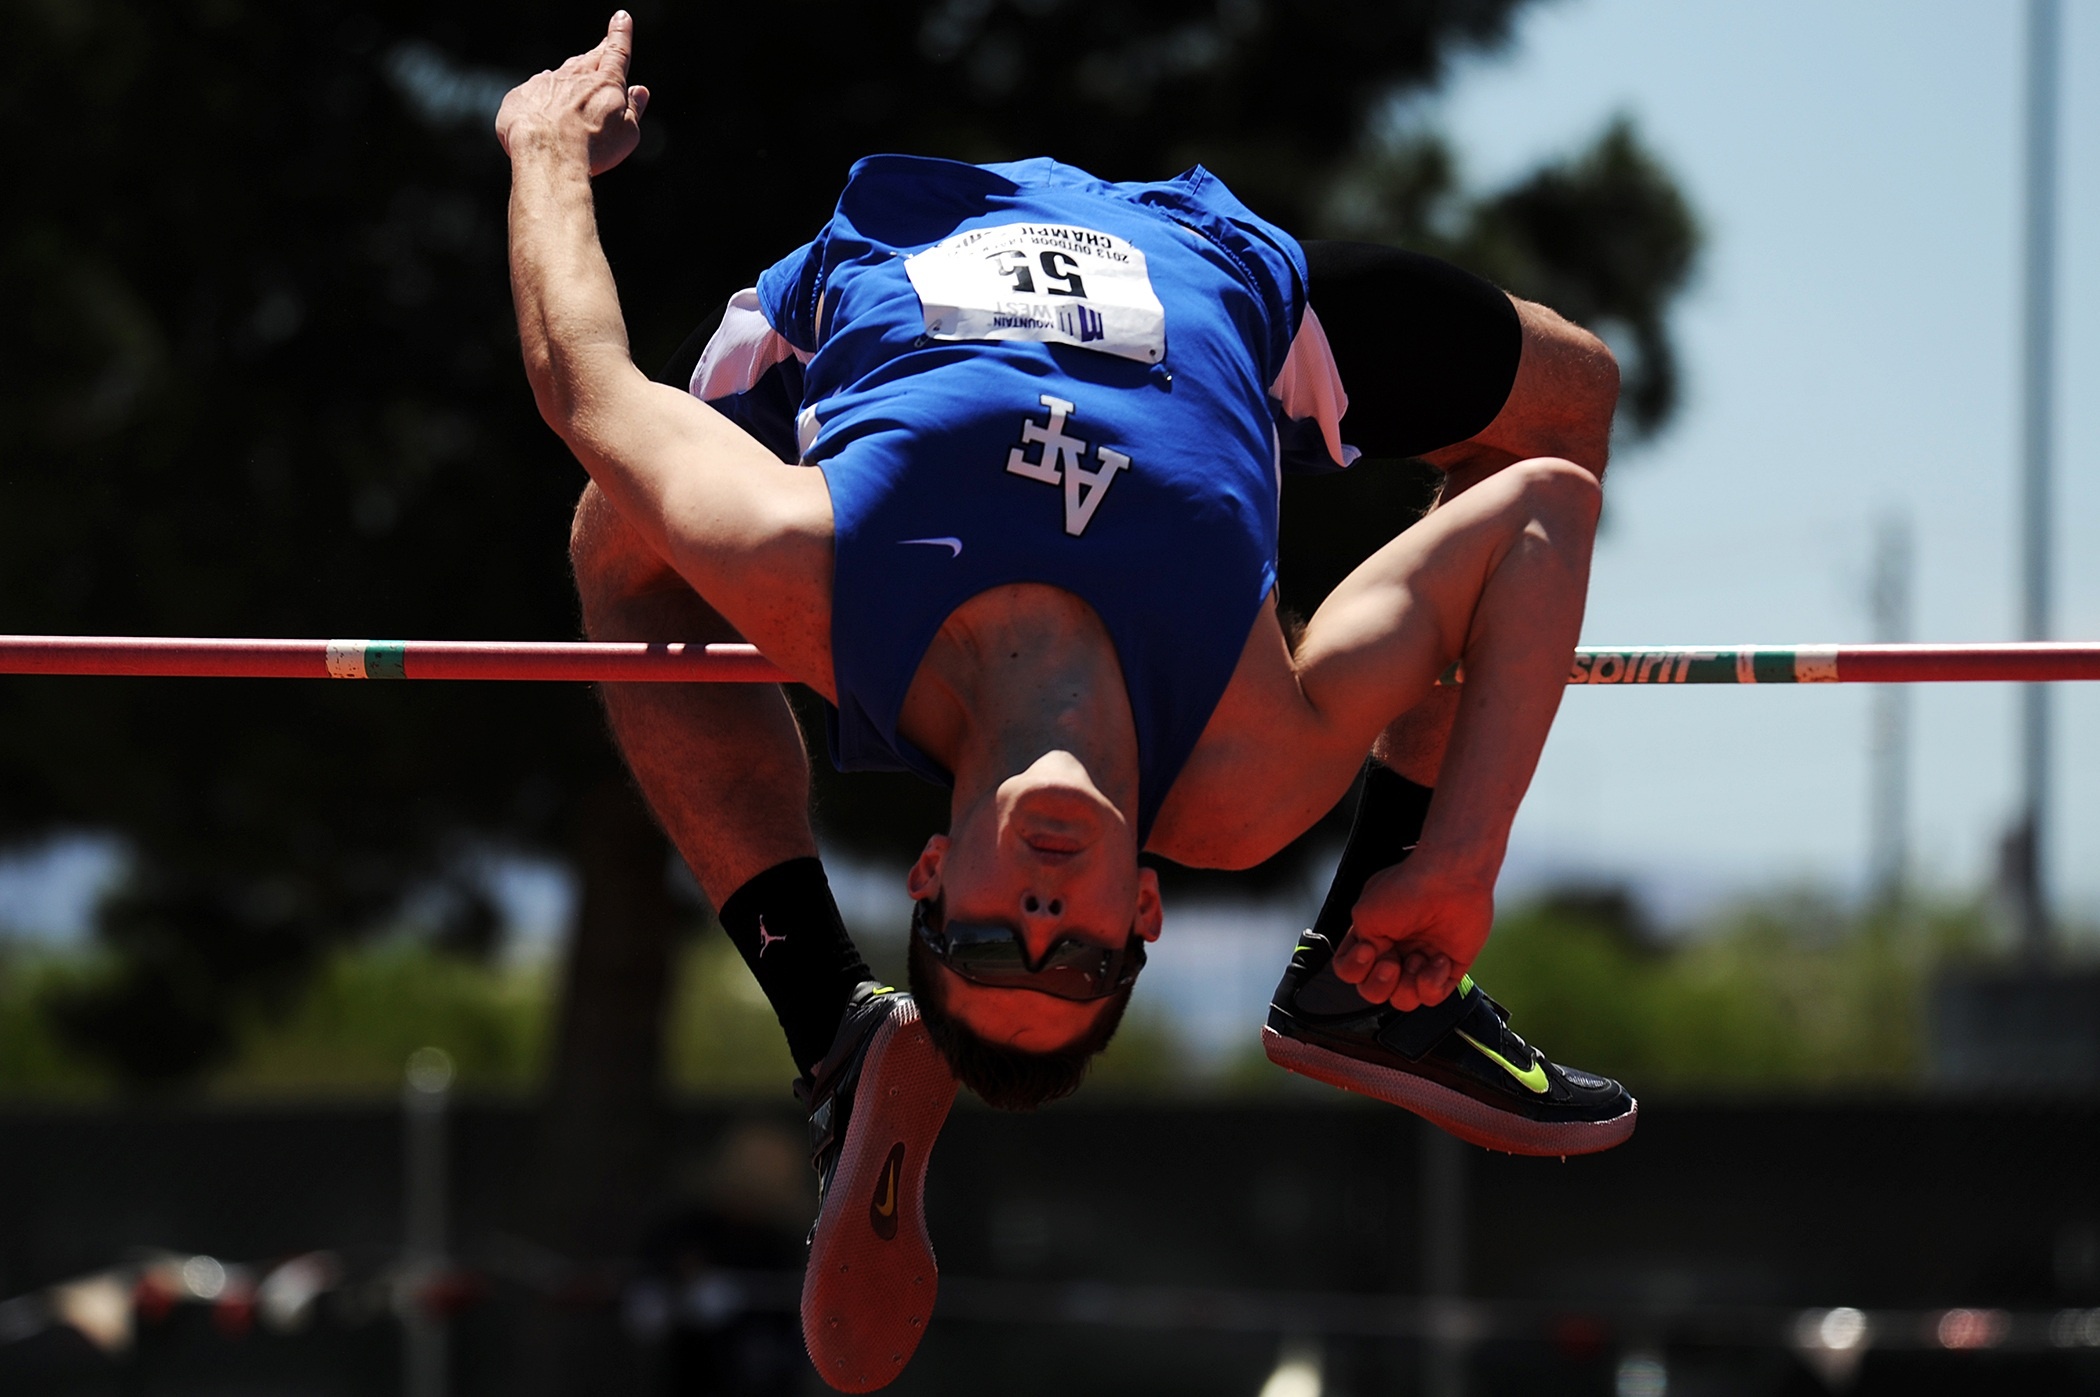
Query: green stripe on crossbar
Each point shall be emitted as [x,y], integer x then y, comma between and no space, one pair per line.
[1773,666]
[386,659]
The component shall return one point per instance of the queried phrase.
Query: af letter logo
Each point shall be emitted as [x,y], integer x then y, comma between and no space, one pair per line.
[1057,462]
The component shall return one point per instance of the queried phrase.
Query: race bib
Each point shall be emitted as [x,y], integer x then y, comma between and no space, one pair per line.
[1041,281]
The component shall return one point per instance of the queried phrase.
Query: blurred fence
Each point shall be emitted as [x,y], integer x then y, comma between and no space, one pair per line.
[1137,1247]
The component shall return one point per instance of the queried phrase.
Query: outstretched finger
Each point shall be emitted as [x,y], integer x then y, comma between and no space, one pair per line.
[618,48]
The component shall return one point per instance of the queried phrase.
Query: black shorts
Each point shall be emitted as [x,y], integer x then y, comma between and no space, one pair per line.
[1427,352]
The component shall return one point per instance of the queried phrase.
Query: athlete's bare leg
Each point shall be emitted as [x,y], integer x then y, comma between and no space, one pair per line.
[1497,577]
[1413,744]
[722,765]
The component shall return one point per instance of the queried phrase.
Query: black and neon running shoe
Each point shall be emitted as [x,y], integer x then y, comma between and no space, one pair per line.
[1457,1064]
[876,1102]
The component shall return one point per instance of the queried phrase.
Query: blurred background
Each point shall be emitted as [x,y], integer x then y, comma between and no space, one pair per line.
[364,1041]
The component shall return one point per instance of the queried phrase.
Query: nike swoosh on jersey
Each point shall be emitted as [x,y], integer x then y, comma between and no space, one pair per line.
[954,545]
[1533,1078]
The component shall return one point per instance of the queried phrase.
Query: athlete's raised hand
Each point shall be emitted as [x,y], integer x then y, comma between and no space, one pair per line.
[1415,932]
[584,105]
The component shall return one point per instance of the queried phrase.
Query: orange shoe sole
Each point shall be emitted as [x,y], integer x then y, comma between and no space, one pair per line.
[869,1286]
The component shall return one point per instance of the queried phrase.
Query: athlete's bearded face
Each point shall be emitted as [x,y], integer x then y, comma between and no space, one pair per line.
[1047,854]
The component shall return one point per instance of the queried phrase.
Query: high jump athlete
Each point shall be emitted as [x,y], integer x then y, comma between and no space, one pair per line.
[1035,561]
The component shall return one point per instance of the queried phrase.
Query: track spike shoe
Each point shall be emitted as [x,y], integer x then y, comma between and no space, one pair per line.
[876,1102]
[1457,1064]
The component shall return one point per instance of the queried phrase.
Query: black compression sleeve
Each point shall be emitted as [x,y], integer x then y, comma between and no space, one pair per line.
[1427,353]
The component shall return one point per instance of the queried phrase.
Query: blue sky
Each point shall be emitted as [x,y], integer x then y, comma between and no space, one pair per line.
[1851,348]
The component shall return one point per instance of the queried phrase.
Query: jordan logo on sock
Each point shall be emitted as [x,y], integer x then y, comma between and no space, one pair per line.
[766,938]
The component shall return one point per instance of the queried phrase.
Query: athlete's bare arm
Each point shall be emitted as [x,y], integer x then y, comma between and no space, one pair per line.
[1496,575]
[751,535]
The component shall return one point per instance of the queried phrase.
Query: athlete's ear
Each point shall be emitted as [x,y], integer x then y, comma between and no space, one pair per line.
[1150,915]
[924,880]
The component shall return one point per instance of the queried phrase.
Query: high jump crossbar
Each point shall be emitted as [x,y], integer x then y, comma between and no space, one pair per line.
[676,662]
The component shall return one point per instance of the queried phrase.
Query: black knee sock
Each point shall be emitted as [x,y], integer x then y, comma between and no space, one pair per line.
[1388,823]
[787,928]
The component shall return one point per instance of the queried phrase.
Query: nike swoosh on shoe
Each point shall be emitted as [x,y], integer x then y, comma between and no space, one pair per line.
[1532,1079]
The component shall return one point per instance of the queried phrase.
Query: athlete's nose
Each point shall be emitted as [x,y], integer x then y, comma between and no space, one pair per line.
[1033,906]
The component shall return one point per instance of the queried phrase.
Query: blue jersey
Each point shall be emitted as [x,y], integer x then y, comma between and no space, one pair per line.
[1022,374]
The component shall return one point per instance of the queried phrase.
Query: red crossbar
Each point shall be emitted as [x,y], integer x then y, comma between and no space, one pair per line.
[176,656]
[675,662]
[2029,663]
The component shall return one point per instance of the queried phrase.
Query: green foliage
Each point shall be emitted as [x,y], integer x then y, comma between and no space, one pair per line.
[1145,1058]
[351,1026]
[348,1028]
[724,1038]
[178,970]
[367,1010]
[33,1059]
[1793,990]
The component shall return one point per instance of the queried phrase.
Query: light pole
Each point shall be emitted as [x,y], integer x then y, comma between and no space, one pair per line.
[1889,807]
[1443,1194]
[425,1094]
[2028,847]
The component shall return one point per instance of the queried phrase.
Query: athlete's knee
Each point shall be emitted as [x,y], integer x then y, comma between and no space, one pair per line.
[628,591]
[587,528]
[1557,491]
[606,554]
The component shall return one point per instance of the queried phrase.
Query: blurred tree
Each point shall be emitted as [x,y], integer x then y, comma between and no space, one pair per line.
[262,380]
[1792,989]
[228,408]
